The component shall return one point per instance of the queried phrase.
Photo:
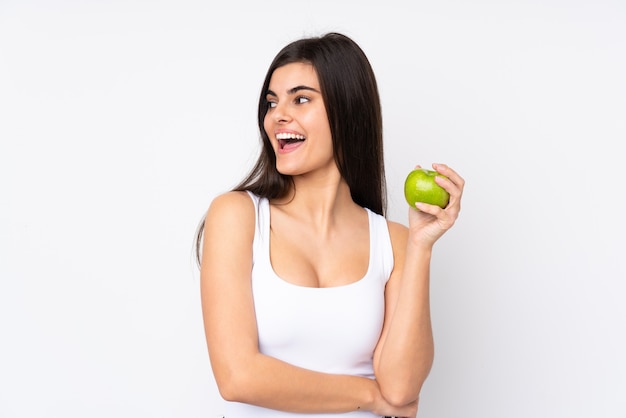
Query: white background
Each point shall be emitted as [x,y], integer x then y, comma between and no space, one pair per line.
[120,120]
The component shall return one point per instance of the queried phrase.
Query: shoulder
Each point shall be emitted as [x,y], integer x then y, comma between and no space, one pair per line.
[231,201]
[232,211]
[399,235]
[398,232]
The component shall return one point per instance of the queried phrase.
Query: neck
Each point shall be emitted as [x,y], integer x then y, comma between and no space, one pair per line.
[319,201]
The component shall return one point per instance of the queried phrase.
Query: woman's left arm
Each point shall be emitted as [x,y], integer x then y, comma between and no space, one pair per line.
[405,351]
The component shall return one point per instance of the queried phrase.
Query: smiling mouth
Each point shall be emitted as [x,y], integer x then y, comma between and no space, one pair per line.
[285,139]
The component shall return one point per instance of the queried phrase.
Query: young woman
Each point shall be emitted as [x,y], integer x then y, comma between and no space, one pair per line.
[313,302]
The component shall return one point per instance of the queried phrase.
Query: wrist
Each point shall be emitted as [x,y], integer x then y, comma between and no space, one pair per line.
[371,395]
[419,248]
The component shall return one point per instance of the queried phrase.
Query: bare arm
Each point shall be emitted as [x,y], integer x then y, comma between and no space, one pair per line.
[242,373]
[404,355]
[405,351]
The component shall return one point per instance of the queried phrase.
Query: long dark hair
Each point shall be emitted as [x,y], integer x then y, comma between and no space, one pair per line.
[350,94]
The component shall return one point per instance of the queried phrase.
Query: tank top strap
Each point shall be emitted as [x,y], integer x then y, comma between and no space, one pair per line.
[261,234]
[380,246]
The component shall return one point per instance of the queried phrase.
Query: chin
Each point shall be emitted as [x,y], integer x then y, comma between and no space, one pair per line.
[287,171]
[287,168]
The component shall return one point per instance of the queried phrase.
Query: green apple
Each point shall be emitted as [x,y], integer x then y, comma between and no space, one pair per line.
[420,186]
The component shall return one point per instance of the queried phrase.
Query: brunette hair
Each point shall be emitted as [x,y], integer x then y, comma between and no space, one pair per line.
[350,93]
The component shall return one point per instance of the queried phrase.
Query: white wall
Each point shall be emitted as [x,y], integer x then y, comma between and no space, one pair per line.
[120,120]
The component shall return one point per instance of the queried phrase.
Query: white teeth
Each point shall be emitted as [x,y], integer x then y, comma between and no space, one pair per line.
[289,136]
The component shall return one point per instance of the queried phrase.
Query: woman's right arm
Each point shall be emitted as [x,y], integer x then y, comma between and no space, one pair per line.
[242,373]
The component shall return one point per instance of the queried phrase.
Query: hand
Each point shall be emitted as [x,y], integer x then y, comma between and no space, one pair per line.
[427,223]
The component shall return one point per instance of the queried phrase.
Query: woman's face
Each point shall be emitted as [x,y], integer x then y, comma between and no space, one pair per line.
[296,121]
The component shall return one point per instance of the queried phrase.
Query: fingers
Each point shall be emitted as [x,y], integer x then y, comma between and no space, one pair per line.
[430,209]
[445,217]
[452,175]
[429,222]
[454,185]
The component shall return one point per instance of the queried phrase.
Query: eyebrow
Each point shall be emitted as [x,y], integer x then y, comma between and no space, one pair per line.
[294,90]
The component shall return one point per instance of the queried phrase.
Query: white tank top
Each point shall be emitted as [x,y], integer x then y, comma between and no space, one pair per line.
[331,330]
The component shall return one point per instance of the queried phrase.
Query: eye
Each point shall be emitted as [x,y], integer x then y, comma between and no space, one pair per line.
[302,99]
[270,104]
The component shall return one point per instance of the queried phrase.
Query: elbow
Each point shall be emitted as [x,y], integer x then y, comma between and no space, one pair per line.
[227,391]
[401,387]
[236,376]
[400,397]
[231,386]
[401,390]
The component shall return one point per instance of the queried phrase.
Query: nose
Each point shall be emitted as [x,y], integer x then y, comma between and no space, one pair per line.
[280,113]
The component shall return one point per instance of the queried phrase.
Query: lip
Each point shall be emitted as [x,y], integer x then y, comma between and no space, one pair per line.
[285,147]
[287,131]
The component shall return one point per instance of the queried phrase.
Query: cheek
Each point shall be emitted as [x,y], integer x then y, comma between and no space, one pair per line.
[323,132]
[267,126]
[318,122]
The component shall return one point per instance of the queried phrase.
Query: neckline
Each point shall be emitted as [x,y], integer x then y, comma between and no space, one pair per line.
[267,249]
